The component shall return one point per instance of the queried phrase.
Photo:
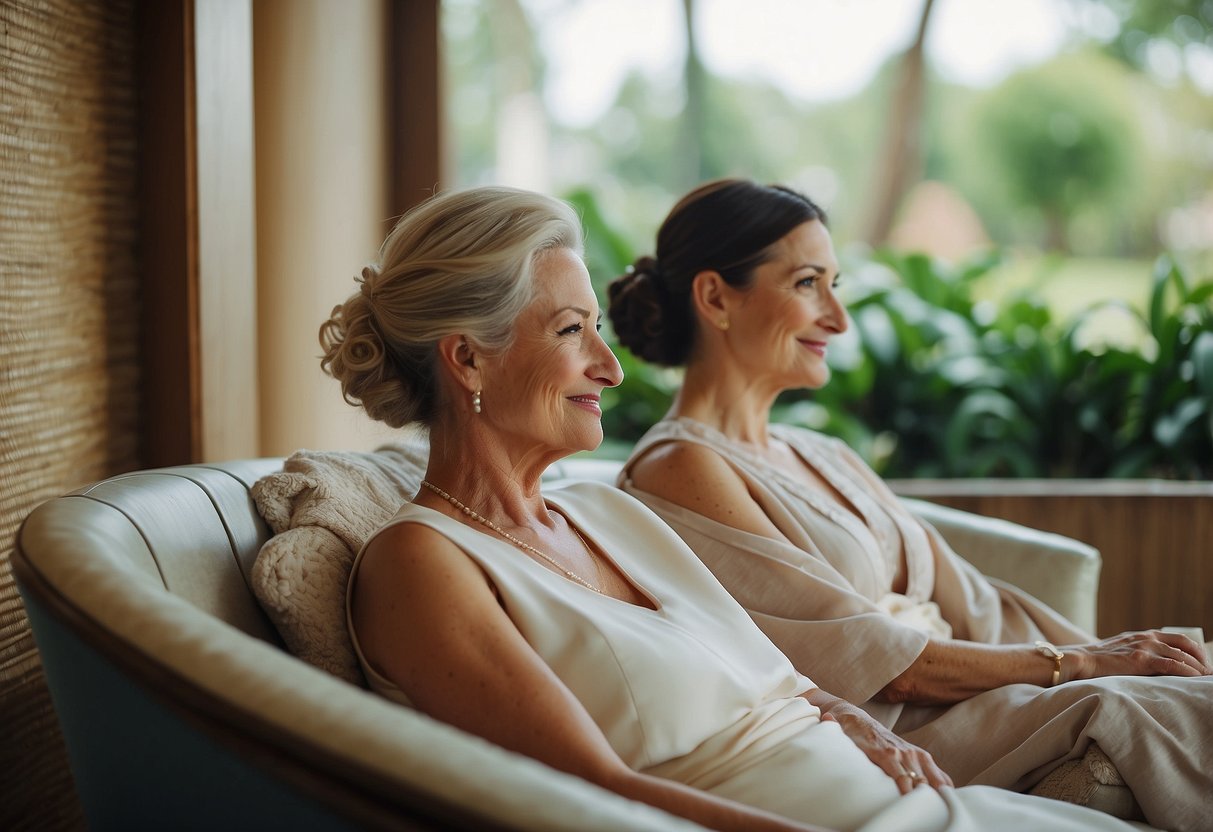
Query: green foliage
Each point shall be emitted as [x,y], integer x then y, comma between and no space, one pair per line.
[607,253]
[635,152]
[634,406]
[1061,140]
[1143,26]
[937,385]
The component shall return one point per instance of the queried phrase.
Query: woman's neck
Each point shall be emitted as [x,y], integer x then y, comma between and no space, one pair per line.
[725,399]
[484,474]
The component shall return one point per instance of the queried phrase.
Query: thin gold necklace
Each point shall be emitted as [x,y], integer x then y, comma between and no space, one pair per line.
[526,547]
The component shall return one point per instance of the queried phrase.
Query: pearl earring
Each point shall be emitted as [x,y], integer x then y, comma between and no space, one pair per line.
[476,402]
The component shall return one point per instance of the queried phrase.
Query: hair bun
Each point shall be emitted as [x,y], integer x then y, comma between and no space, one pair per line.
[639,313]
[645,265]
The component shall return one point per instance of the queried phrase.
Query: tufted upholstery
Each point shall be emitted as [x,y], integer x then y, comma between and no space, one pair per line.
[181,709]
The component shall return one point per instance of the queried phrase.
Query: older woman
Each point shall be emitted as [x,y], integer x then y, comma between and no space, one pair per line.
[573,626]
[859,594]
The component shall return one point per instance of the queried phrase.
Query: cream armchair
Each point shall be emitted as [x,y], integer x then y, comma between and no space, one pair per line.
[182,710]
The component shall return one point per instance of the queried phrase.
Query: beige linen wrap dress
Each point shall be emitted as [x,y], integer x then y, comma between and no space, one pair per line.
[694,692]
[826,601]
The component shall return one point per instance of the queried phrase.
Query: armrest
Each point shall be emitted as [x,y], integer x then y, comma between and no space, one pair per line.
[1057,570]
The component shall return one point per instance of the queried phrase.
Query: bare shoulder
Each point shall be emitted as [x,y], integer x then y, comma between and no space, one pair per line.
[666,466]
[408,554]
[698,478]
[415,590]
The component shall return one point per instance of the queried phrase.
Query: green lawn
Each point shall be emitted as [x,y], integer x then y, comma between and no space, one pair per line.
[1070,285]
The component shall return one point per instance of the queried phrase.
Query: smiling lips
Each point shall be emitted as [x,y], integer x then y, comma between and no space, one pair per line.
[818,347]
[588,402]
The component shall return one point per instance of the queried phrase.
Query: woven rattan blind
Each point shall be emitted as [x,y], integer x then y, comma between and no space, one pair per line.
[68,326]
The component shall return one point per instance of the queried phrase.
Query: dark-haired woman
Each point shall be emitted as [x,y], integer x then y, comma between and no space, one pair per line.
[863,597]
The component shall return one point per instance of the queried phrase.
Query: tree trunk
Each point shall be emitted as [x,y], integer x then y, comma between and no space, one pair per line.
[1057,238]
[691,168]
[901,163]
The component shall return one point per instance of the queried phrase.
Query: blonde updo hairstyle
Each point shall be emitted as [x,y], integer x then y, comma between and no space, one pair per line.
[462,262]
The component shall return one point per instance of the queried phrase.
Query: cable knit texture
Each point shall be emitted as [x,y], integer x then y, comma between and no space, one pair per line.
[322,506]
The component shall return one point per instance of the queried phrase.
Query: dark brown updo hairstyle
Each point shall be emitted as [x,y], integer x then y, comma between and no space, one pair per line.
[727,226]
[461,262]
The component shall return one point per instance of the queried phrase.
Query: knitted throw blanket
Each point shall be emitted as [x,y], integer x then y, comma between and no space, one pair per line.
[322,506]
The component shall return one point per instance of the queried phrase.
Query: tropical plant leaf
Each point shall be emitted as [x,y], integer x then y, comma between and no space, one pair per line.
[1170,429]
[1202,363]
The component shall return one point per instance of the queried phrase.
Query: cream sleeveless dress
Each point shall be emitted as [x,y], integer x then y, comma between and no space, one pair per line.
[693,691]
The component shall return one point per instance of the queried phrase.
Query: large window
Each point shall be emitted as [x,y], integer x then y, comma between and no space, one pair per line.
[1042,154]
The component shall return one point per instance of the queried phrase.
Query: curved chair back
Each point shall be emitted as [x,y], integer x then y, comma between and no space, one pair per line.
[180,710]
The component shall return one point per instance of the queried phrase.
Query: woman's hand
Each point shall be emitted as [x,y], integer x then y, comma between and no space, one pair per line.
[1147,653]
[908,765]
[949,670]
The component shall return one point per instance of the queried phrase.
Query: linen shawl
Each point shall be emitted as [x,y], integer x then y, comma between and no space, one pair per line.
[825,595]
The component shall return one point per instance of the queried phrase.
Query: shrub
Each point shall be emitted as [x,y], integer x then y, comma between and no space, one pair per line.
[934,384]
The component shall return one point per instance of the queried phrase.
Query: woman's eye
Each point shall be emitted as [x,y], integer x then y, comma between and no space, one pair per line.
[807,282]
[571,330]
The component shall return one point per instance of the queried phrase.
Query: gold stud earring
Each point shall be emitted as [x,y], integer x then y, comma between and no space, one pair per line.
[476,402]
[724,324]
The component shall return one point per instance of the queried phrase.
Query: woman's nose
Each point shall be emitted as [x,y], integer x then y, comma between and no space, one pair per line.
[605,369]
[836,314]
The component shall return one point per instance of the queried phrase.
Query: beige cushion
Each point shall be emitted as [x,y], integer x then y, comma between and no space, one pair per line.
[322,506]
[1091,781]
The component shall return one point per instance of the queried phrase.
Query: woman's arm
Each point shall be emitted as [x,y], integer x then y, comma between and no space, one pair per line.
[427,618]
[946,671]
[950,671]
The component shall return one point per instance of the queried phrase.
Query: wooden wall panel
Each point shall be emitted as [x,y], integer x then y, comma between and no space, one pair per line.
[1156,538]
[415,102]
[198,259]
[169,243]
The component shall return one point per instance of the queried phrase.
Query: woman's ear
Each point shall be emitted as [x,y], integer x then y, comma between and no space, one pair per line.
[461,359]
[708,296]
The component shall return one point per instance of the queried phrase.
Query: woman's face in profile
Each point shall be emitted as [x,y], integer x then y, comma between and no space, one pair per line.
[545,388]
[782,323]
